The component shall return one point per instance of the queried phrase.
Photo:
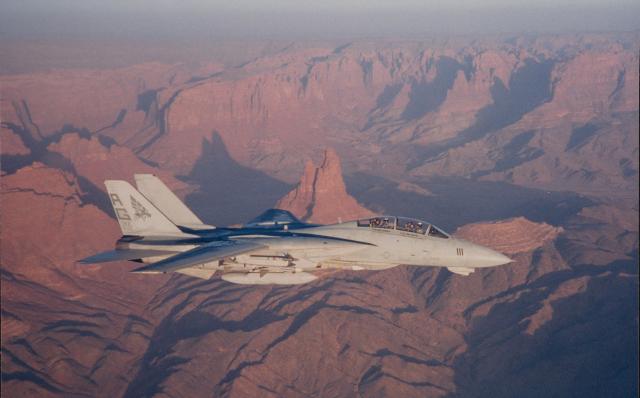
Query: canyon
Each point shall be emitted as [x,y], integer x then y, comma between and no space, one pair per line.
[527,144]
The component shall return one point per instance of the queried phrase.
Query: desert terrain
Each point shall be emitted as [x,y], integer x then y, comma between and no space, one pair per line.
[527,144]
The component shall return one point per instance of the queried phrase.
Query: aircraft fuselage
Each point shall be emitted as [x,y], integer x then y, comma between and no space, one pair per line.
[344,245]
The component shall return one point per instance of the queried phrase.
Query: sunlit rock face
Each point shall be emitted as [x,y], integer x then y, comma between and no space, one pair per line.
[517,235]
[321,196]
[98,161]
[462,134]
[548,112]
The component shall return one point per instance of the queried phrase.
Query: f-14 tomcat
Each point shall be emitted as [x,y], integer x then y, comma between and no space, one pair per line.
[275,247]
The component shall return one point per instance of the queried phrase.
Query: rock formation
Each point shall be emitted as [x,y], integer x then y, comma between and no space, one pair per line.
[545,112]
[98,162]
[321,195]
[517,235]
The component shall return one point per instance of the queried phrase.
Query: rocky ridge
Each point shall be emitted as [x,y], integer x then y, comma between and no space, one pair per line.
[546,112]
[517,235]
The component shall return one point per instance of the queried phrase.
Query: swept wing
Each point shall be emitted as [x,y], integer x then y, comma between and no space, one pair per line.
[210,252]
[123,255]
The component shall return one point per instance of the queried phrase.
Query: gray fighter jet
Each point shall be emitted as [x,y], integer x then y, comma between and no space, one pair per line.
[275,247]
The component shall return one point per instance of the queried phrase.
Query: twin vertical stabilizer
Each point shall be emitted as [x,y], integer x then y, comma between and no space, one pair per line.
[167,202]
[135,214]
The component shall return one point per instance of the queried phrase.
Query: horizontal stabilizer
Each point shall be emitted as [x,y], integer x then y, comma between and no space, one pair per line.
[211,252]
[123,255]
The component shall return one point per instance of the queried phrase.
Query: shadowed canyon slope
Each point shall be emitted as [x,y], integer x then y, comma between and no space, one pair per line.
[528,145]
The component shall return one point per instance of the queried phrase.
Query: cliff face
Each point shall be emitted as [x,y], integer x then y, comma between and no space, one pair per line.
[321,196]
[98,162]
[548,112]
[558,112]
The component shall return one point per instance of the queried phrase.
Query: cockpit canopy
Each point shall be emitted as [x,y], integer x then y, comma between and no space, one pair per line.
[403,224]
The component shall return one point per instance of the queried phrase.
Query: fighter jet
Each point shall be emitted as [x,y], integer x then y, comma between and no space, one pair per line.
[275,247]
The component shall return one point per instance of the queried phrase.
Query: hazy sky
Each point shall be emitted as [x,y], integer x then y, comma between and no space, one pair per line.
[309,19]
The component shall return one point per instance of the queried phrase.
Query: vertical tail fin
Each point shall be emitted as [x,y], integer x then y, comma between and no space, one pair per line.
[167,202]
[136,215]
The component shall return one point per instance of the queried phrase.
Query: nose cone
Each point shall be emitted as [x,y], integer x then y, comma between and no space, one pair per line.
[494,259]
[485,257]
